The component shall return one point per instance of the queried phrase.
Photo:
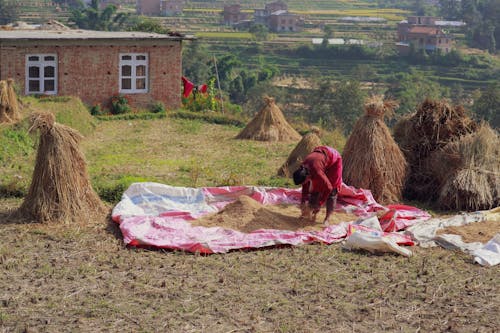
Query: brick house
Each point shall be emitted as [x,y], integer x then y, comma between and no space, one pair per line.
[422,32]
[232,15]
[95,65]
[159,7]
[276,17]
[148,7]
[281,21]
[171,7]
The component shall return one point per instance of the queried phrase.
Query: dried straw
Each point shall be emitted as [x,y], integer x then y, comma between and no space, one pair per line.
[468,170]
[4,103]
[309,141]
[60,190]
[13,102]
[431,127]
[269,125]
[371,157]
[9,106]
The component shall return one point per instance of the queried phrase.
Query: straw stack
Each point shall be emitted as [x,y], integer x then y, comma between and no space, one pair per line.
[269,125]
[60,190]
[371,158]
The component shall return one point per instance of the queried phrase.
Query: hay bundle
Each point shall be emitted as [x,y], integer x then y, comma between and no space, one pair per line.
[60,190]
[371,157]
[306,145]
[269,125]
[9,106]
[431,127]
[468,171]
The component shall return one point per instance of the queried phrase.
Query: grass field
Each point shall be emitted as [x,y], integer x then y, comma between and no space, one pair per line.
[81,278]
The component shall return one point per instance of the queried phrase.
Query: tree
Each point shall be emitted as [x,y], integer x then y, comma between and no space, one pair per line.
[327,34]
[259,31]
[412,88]
[93,18]
[8,11]
[348,101]
[335,104]
[142,23]
[196,62]
[450,9]
[487,106]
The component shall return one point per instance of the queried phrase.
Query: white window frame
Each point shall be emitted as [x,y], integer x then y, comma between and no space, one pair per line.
[41,63]
[134,63]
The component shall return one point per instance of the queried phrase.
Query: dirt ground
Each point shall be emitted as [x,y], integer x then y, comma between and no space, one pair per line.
[81,278]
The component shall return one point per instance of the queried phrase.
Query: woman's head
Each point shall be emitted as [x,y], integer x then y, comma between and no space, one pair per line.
[300,175]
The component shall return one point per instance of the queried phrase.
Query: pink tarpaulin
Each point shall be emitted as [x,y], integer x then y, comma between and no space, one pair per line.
[158,215]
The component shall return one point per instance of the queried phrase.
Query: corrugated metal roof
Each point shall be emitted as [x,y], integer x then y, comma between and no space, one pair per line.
[86,35]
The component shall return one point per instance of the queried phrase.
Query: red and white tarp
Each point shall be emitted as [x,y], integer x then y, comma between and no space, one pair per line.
[158,215]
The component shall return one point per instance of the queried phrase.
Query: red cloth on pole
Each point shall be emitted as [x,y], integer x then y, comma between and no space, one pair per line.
[188,86]
[202,88]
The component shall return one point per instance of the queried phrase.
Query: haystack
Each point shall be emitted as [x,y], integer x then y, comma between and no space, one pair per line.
[371,157]
[60,190]
[9,106]
[468,171]
[309,141]
[431,127]
[269,125]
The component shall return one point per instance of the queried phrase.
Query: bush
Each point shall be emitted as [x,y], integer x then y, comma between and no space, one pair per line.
[158,107]
[96,110]
[119,105]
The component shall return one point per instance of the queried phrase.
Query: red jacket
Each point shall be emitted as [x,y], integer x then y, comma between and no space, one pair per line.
[325,173]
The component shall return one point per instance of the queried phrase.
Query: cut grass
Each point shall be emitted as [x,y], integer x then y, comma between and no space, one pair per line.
[180,152]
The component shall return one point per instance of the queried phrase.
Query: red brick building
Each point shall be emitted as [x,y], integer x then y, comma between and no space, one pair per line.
[148,7]
[422,32]
[159,7]
[95,65]
[232,14]
[282,21]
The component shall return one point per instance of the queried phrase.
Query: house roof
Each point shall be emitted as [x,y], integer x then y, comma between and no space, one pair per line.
[87,35]
[425,30]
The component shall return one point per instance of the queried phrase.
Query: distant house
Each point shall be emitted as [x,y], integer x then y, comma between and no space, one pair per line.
[276,17]
[171,8]
[159,7]
[233,15]
[95,65]
[423,32]
[282,20]
[148,7]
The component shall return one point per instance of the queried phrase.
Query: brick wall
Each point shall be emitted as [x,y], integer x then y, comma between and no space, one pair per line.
[92,71]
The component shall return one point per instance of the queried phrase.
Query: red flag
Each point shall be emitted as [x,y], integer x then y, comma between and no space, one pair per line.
[188,86]
[202,88]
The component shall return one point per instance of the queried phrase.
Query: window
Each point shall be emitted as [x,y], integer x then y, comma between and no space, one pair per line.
[41,74]
[133,73]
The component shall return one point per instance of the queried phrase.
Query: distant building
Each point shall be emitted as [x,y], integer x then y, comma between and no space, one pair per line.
[95,65]
[276,17]
[171,8]
[281,21]
[233,15]
[159,7]
[148,7]
[423,32]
